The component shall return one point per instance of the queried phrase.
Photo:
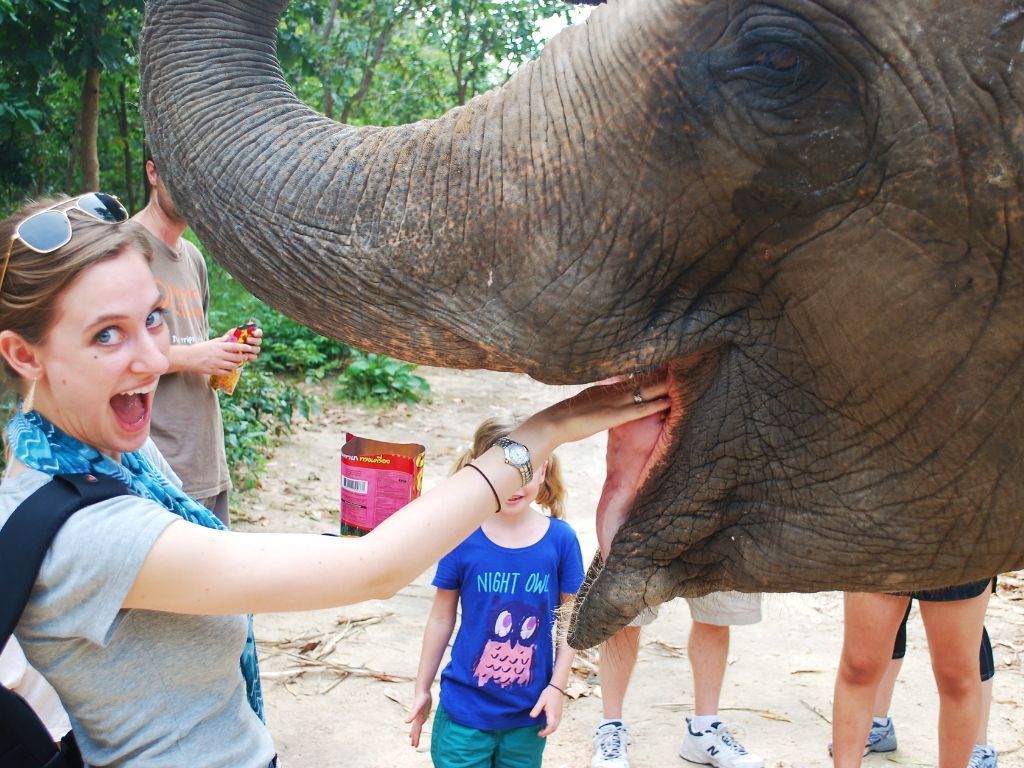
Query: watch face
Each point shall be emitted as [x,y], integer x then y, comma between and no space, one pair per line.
[517,454]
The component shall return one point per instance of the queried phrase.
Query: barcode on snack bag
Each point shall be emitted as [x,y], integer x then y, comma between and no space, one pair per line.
[356,486]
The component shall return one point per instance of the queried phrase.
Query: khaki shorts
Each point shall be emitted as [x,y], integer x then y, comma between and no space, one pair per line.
[723,609]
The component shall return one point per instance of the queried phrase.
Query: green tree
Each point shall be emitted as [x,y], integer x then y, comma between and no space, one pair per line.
[54,55]
[361,61]
[391,61]
[486,40]
[69,116]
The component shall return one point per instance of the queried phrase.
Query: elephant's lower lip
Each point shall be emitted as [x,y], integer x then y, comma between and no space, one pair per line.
[621,490]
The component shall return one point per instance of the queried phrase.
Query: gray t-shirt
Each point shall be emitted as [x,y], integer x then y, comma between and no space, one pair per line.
[143,689]
[186,422]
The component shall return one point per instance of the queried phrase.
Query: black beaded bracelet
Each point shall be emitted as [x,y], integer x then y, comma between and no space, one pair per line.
[489,485]
[552,685]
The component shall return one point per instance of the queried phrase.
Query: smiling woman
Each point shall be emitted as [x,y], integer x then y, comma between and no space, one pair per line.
[137,616]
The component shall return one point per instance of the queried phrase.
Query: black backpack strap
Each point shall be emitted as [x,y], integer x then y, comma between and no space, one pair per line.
[24,541]
[25,742]
[26,537]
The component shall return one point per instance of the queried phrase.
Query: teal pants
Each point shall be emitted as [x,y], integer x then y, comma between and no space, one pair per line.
[456,746]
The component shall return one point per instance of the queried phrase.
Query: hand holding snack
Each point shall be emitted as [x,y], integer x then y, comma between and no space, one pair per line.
[250,334]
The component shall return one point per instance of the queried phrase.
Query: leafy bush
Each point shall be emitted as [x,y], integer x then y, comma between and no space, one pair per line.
[294,349]
[256,416]
[380,380]
[8,405]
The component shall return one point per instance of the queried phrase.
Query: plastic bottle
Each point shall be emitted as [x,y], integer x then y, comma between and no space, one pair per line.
[228,383]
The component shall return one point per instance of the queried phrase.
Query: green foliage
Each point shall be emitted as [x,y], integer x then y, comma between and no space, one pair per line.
[294,348]
[396,61]
[46,47]
[486,40]
[8,405]
[380,380]
[256,416]
[359,61]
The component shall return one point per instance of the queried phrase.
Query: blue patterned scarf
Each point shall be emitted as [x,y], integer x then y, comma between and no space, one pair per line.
[41,446]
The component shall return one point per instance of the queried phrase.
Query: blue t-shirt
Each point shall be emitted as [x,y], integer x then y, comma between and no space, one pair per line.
[503,655]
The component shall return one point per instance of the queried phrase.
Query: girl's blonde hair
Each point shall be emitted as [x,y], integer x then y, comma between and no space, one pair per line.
[552,491]
[34,282]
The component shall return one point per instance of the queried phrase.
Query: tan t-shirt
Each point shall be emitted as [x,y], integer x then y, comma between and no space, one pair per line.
[186,423]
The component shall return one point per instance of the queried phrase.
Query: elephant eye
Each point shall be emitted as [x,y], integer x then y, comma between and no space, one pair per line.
[774,66]
[772,60]
[780,61]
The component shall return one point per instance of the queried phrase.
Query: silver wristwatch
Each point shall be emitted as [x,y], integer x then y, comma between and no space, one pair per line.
[518,456]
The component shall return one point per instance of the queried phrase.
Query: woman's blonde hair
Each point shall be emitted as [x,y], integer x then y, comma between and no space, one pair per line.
[34,282]
[552,491]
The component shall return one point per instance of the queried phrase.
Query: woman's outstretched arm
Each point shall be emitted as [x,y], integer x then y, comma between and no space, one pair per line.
[197,570]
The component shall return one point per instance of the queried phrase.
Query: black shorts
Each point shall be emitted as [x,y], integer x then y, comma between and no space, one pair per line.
[951,594]
[986,660]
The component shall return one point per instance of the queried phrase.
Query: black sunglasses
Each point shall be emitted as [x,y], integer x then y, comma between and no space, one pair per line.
[48,230]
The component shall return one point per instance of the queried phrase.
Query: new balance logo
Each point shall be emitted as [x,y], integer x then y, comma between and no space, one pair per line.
[712,750]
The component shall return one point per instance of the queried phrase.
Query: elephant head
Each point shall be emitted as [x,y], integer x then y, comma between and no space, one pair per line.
[808,210]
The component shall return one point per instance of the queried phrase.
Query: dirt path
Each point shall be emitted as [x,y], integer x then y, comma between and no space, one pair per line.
[338,682]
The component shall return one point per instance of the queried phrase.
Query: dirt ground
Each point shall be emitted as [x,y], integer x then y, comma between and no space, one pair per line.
[338,682]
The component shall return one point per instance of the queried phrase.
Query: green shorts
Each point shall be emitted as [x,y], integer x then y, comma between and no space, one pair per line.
[456,746]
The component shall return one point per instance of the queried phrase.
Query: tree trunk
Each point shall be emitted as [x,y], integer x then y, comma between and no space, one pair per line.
[325,65]
[40,168]
[369,70]
[126,145]
[90,123]
[73,155]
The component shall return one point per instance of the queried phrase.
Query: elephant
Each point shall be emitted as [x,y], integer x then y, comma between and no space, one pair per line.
[808,212]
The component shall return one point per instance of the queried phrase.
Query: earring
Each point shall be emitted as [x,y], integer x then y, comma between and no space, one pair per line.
[30,398]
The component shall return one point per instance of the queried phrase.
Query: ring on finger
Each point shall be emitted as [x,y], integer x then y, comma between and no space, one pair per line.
[638,396]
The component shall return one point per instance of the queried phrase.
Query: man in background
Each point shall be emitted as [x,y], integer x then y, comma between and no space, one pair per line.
[186,420]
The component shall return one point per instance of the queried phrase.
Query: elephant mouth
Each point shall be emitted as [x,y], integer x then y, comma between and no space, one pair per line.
[642,452]
[641,455]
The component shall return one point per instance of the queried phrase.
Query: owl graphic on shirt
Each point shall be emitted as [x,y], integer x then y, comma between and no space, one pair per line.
[507,655]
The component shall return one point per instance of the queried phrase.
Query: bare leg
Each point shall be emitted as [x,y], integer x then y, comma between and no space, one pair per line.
[954,636]
[869,629]
[983,711]
[617,659]
[883,697]
[708,649]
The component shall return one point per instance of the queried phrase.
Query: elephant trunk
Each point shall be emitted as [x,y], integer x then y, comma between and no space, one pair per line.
[455,241]
[333,224]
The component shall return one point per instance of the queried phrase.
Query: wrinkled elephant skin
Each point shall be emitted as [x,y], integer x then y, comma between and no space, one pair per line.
[809,210]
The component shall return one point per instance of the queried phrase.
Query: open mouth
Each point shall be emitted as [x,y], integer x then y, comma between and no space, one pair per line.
[132,407]
[638,451]
[640,456]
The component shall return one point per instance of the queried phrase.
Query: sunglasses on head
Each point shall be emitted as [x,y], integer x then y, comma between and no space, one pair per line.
[48,230]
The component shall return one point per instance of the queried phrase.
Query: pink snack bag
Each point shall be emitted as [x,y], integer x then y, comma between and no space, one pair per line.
[377,479]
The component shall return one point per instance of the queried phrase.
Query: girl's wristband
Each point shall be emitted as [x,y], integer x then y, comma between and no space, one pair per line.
[552,685]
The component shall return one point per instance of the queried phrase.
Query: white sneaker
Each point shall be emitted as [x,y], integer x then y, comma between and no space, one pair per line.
[716,746]
[610,742]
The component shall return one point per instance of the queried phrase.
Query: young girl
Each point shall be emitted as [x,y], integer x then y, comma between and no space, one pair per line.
[502,692]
